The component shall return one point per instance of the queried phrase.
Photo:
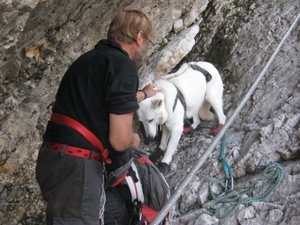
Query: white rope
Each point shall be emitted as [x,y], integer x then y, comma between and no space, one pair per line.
[167,207]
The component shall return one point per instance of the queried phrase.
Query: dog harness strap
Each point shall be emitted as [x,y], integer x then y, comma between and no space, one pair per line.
[207,75]
[175,103]
[181,99]
[70,122]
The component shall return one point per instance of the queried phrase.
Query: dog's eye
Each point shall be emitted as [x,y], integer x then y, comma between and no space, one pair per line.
[150,121]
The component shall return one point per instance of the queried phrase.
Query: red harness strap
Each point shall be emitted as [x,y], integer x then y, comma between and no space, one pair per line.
[144,160]
[68,121]
[74,151]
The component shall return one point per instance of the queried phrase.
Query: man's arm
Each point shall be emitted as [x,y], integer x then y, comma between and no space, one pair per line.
[121,136]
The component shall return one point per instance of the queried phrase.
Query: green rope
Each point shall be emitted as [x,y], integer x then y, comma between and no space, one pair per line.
[225,205]
[226,167]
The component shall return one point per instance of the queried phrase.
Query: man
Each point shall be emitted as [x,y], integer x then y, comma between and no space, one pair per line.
[99,91]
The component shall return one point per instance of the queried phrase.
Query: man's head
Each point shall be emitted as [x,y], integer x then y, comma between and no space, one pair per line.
[131,27]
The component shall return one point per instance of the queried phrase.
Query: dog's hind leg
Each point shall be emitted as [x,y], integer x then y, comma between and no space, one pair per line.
[196,121]
[218,107]
[194,114]
[204,112]
[194,125]
[217,104]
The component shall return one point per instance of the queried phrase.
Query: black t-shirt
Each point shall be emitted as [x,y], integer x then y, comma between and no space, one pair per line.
[101,81]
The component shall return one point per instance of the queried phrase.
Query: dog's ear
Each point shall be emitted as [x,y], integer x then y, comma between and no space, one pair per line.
[156,103]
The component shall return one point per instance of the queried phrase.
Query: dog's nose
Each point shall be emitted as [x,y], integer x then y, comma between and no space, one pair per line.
[150,138]
[146,141]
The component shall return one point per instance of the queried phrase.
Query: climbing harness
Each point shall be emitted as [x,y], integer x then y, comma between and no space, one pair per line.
[179,96]
[205,73]
[171,76]
[182,186]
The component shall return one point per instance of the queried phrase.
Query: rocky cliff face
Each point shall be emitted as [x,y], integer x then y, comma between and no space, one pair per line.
[40,39]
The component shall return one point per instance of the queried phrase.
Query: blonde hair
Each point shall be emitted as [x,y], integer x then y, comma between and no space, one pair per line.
[126,25]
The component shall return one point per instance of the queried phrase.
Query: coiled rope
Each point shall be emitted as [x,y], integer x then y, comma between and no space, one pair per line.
[261,189]
[225,205]
[181,188]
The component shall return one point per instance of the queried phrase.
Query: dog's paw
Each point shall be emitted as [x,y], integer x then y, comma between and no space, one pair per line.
[187,129]
[163,167]
[156,155]
[217,129]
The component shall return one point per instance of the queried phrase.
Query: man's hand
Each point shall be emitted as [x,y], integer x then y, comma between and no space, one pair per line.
[136,141]
[150,90]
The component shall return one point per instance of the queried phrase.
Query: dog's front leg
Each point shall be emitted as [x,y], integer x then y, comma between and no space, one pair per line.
[160,151]
[175,135]
[164,138]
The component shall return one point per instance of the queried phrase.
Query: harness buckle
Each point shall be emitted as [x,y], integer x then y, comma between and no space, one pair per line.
[92,154]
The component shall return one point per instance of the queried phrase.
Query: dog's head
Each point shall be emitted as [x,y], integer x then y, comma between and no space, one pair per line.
[152,112]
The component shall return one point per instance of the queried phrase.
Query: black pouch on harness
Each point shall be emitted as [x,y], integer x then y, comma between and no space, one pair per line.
[148,188]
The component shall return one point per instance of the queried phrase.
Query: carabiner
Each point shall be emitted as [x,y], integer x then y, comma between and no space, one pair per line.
[230,182]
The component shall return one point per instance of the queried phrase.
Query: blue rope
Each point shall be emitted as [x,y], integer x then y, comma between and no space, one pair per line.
[226,167]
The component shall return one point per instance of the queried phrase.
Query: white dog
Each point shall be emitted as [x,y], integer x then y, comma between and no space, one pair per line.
[188,93]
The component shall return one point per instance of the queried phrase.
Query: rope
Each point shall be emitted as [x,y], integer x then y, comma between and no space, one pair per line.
[270,180]
[225,205]
[181,188]
[226,167]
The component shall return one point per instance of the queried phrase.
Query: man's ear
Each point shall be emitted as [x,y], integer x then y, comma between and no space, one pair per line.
[140,38]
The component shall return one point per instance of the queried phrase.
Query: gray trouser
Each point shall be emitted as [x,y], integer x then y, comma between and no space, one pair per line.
[116,209]
[72,187]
